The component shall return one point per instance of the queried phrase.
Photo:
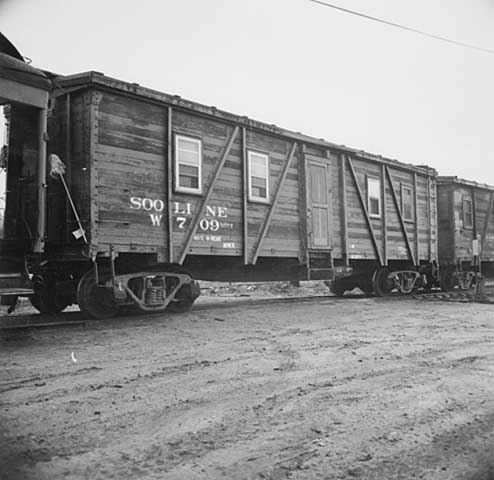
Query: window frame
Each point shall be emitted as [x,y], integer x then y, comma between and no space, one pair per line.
[251,197]
[467,199]
[179,188]
[378,180]
[405,186]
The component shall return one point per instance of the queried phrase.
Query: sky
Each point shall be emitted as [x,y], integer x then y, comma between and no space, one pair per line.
[293,63]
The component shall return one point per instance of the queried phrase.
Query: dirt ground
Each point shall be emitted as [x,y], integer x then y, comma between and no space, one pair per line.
[321,389]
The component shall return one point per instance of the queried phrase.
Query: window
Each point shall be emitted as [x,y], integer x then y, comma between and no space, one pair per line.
[374,197]
[187,164]
[258,177]
[406,202]
[467,212]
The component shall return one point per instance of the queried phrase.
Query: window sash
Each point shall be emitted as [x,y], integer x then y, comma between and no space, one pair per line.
[467,213]
[407,202]
[188,164]
[374,197]
[258,176]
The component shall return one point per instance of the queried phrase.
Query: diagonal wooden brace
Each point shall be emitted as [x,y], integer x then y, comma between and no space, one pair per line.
[196,219]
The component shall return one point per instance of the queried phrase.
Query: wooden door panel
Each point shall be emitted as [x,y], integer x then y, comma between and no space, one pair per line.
[319,205]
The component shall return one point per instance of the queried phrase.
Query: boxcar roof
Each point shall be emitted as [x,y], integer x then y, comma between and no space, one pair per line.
[86,79]
[18,71]
[445,180]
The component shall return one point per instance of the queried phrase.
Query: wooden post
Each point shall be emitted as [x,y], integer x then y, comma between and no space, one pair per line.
[400,217]
[209,191]
[474,214]
[267,222]
[476,258]
[415,210]
[39,245]
[94,100]
[429,216]
[384,227]
[304,207]
[169,183]
[68,162]
[366,213]
[344,219]
[486,221]
[245,205]
[308,205]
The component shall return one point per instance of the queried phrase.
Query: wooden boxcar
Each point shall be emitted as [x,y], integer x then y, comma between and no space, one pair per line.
[158,190]
[465,230]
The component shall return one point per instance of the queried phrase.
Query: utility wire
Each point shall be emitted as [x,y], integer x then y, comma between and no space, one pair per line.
[403,27]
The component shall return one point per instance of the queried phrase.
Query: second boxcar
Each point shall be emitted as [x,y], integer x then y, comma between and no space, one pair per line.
[466,232]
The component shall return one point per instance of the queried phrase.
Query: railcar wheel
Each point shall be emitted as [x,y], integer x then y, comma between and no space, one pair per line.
[381,283]
[447,280]
[96,301]
[337,288]
[48,302]
[180,305]
[50,297]
[366,285]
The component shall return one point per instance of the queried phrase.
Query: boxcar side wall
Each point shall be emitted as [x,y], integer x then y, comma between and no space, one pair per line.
[133,167]
[466,213]
[122,156]
[129,149]
[385,233]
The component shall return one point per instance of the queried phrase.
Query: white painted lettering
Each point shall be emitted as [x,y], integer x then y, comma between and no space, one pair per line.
[158,205]
[210,211]
[147,204]
[222,212]
[214,225]
[181,222]
[135,203]
[155,219]
[204,224]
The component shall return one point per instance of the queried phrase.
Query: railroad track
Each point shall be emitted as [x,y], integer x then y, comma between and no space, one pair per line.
[486,295]
[76,318]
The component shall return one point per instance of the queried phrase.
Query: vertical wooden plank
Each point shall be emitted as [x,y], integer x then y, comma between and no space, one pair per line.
[415,210]
[245,212]
[344,219]
[209,191]
[169,183]
[486,221]
[400,217]
[267,222]
[308,206]
[39,245]
[363,204]
[93,101]
[329,204]
[474,214]
[384,226]
[68,162]
[475,260]
[429,216]
[303,208]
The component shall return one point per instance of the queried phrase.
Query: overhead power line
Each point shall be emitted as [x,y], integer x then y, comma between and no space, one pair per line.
[403,27]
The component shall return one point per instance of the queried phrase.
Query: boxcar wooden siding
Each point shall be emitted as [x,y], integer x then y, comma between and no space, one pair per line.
[131,159]
[391,241]
[456,238]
